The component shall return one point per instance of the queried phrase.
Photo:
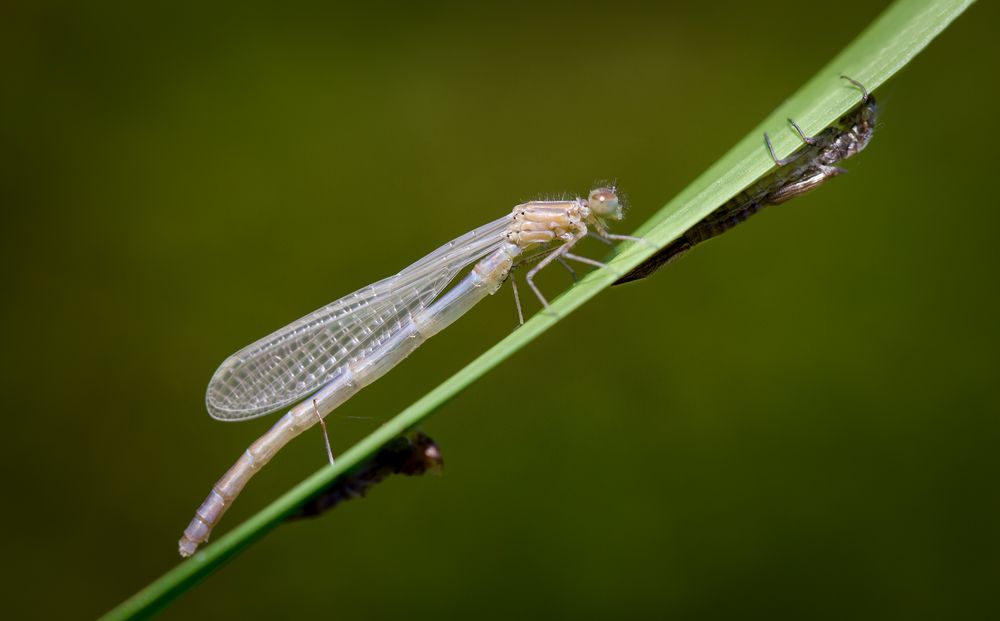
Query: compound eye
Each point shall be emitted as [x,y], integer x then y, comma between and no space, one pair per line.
[604,202]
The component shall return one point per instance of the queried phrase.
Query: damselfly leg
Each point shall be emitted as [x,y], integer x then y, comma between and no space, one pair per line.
[517,300]
[555,254]
[569,268]
[326,435]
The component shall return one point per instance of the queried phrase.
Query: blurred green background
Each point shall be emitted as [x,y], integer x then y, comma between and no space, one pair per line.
[798,419]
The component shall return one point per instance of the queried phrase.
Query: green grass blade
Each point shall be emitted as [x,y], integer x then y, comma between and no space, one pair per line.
[880,51]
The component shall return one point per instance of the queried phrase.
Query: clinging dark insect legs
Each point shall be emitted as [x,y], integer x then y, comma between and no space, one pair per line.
[809,140]
[806,139]
[770,149]
[861,87]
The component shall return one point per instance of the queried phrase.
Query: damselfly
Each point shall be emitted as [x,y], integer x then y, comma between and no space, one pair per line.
[809,166]
[323,359]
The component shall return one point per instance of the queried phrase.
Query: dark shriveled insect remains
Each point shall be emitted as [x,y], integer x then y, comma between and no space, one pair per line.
[409,456]
[812,164]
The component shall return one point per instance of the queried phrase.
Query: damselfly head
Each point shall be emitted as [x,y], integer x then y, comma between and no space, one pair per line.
[604,203]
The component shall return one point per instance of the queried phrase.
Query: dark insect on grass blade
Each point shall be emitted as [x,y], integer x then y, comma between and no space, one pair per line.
[809,166]
[410,456]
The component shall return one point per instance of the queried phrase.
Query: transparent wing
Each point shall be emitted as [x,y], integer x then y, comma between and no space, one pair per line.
[286,366]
